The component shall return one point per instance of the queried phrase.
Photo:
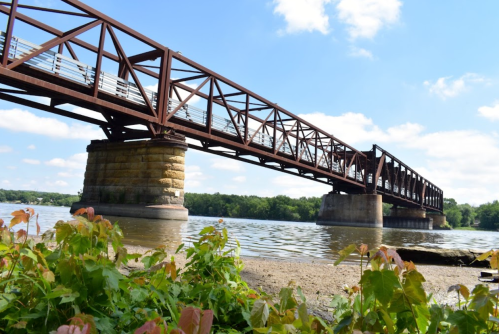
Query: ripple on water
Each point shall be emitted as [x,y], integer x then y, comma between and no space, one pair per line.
[273,239]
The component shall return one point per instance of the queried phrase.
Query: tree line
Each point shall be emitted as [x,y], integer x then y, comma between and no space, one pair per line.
[37,197]
[463,215]
[305,209]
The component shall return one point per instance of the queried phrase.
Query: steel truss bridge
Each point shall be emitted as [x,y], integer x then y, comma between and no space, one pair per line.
[159,91]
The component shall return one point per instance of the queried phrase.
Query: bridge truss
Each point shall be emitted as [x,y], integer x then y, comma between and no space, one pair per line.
[158,91]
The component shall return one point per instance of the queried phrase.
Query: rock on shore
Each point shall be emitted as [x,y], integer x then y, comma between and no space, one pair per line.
[446,257]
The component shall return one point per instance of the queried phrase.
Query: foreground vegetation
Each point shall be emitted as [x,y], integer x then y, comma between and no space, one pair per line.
[71,282]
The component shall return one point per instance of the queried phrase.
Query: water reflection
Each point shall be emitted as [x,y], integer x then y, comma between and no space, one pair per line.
[274,239]
[151,232]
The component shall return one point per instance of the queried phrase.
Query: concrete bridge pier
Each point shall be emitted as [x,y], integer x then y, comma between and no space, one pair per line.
[143,179]
[351,210]
[410,218]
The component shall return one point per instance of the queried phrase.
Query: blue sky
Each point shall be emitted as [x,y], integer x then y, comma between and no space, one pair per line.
[419,78]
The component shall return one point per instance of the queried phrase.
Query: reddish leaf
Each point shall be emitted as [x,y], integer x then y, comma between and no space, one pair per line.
[97,218]
[90,213]
[20,216]
[150,327]
[21,234]
[177,331]
[31,211]
[37,226]
[189,320]
[1,222]
[363,249]
[380,255]
[396,257]
[79,212]
[206,322]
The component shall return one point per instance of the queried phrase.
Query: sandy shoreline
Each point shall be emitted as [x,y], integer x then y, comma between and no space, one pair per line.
[320,281]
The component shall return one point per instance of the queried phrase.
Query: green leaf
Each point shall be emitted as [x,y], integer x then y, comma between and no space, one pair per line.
[413,287]
[139,295]
[62,231]
[287,300]
[105,325]
[344,253]
[179,248]
[388,321]
[300,293]
[29,253]
[343,324]
[207,229]
[399,303]
[422,317]
[437,315]
[112,277]
[384,283]
[303,314]
[80,244]
[65,268]
[467,322]
[259,314]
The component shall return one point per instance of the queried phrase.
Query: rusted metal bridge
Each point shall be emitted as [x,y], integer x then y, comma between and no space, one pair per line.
[158,91]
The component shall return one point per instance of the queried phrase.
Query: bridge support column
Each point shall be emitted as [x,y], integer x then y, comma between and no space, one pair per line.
[438,220]
[410,218]
[142,179]
[351,210]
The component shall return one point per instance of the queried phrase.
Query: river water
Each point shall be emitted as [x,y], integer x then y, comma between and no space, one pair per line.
[273,239]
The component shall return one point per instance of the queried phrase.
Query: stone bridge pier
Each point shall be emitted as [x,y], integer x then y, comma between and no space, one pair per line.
[351,210]
[143,179]
[365,210]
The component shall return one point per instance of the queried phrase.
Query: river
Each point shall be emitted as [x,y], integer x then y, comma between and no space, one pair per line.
[273,239]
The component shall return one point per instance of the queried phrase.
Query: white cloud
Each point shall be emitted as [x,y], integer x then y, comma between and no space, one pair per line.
[70,175]
[361,53]
[227,164]
[456,161]
[77,161]
[31,161]
[12,167]
[366,17]
[303,15]
[58,183]
[297,187]
[31,147]
[239,179]
[6,182]
[88,113]
[446,88]
[5,149]
[491,113]
[194,176]
[24,121]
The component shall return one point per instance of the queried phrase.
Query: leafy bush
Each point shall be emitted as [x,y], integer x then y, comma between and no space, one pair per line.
[390,298]
[73,285]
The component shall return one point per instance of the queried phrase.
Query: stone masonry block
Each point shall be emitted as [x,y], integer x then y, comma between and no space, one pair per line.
[179,184]
[174,174]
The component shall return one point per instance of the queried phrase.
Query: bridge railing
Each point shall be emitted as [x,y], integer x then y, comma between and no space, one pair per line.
[82,73]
